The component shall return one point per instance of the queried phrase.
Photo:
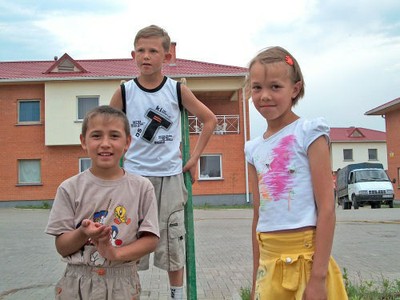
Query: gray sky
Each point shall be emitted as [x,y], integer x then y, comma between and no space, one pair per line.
[348,50]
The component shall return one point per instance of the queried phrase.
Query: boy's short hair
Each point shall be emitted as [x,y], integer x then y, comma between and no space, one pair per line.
[108,112]
[154,31]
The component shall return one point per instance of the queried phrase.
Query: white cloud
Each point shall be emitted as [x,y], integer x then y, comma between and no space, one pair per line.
[348,50]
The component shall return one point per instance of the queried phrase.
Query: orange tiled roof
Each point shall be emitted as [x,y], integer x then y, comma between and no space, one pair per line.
[356,134]
[108,68]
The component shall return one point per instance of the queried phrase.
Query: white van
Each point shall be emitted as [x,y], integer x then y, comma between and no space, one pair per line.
[364,183]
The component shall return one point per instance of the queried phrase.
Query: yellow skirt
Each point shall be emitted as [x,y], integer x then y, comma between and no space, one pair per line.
[285,267]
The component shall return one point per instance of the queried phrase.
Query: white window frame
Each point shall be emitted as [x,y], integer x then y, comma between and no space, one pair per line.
[203,174]
[376,154]
[81,115]
[352,155]
[82,162]
[21,101]
[29,174]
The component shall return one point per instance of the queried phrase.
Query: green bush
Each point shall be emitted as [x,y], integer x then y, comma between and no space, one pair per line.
[245,293]
[384,289]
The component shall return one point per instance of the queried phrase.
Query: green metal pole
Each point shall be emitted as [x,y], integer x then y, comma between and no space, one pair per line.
[191,288]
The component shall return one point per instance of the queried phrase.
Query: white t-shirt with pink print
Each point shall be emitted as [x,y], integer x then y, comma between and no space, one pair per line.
[284,178]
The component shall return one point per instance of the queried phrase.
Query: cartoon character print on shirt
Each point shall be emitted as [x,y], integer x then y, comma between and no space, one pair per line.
[95,256]
[100,216]
[114,233]
[276,180]
[97,259]
[120,215]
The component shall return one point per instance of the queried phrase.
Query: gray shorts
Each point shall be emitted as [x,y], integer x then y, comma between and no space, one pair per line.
[171,197]
[86,282]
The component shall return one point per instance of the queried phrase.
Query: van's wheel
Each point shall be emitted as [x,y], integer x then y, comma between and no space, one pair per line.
[354,200]
[348,205]
[391,204]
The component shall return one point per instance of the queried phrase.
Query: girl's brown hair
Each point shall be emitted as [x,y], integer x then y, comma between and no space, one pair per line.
[278,54]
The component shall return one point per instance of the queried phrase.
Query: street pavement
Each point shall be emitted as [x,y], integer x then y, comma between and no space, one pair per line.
[367,244]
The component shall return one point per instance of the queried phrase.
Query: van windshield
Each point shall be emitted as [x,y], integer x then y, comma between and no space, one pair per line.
[371,175]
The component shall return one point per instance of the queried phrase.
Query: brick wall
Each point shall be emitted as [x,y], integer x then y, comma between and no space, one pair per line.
[27,142]
[393,148]
[61,162]
[231,146]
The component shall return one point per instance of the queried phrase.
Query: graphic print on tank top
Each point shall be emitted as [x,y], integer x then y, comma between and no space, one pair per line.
[149,130]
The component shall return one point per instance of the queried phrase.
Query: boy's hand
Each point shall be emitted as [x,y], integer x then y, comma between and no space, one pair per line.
[105,248]
[191,166]
[94,230]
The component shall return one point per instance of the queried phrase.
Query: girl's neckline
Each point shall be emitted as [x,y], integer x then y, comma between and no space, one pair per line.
[266,136]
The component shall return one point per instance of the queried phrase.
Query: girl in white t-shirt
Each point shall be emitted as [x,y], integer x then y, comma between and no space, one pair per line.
[294,211]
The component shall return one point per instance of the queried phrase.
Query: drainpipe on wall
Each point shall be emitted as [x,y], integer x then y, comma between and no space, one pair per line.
[245,139]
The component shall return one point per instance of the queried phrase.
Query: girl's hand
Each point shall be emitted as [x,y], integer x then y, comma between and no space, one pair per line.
[315,290]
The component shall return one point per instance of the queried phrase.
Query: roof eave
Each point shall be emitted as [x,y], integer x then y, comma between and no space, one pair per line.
[385,108]
[43,80]
[119,77]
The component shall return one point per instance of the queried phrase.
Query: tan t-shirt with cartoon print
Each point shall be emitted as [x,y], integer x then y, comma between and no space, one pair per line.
[127,204]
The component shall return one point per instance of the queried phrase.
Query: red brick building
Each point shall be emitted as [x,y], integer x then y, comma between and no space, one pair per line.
[391,112]
[42,104]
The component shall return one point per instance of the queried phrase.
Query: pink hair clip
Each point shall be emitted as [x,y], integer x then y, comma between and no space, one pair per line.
[289,60]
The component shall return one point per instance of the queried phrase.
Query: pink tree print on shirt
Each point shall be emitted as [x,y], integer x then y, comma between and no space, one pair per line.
[279,178]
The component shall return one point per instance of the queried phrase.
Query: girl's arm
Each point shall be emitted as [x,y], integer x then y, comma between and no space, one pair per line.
[256,204]
[209,120]
[321,175]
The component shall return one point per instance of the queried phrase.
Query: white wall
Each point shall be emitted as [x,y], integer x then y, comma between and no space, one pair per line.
[360,153]
[61,107]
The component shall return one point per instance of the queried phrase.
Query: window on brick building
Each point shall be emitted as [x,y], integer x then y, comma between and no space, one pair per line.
[372,154]
[29,171]
[347,154]
[84,164]
[210,167]
[28,111]
[85,104]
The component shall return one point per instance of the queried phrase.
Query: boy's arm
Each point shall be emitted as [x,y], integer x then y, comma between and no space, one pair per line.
[146,244]
[209,120]
[256,204]
[116,99]
[318,154]
[71,241]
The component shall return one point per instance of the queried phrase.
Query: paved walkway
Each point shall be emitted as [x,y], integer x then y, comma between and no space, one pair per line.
[367,244]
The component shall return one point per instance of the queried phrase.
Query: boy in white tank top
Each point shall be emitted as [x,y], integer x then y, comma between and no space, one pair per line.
[152,104]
